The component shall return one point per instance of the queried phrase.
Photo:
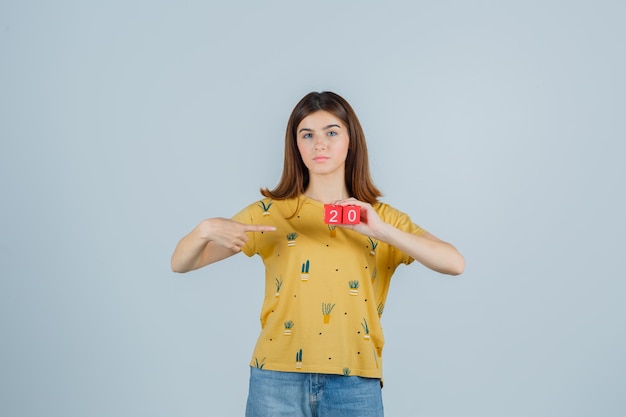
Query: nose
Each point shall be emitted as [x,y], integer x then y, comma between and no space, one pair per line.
[320,143]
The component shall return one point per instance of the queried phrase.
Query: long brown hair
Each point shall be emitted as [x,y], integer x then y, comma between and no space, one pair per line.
[295,177]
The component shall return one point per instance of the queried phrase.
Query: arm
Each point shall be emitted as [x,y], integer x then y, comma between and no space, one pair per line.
[427,249]
[211,241]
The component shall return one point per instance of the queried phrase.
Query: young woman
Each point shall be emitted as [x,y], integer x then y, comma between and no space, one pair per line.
[320,347]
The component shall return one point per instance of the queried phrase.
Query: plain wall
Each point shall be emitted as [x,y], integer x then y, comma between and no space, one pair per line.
[497,125]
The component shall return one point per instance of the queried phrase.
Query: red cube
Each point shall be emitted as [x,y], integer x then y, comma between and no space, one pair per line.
[333,214]
[351,215]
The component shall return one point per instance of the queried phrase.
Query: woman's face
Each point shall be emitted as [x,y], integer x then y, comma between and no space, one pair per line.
[323,141]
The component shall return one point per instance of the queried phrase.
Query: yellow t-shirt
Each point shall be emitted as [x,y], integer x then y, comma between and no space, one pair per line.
[325,288]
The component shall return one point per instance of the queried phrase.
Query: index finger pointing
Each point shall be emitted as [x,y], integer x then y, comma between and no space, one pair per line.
[259,228]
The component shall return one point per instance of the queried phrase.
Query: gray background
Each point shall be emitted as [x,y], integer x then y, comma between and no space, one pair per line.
[499,126]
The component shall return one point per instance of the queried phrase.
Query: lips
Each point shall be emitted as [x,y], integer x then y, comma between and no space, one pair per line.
[321,158]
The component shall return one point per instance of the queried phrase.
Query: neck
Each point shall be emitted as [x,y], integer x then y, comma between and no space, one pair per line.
[326,190]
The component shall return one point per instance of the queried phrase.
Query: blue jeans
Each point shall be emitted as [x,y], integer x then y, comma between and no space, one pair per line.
[296,394]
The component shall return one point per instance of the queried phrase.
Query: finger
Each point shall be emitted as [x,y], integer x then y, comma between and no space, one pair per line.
[243,239]
[238,245]
[259,228]
[349,202]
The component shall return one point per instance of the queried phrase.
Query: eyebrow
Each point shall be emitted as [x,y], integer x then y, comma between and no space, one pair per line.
[306,129]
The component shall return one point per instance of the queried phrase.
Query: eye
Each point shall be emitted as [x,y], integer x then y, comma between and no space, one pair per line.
[307,136]
[332,133]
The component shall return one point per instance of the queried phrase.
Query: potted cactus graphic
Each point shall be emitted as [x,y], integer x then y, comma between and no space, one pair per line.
[346,371]
[333,230]
[291,238]
[265,207]
[288,327]
[366,328]
[258,364]
[373,245]
[279,284]
[380,309]
[354,287]
[299,359]
[374,273]
[326,310]
[304,275]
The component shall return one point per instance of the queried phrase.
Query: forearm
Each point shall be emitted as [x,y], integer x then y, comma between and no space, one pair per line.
[428,250]
[211,241]
[188,252]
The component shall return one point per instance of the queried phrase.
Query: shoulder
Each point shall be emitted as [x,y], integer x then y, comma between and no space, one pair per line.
[386,211]
[397,218]
[265,207]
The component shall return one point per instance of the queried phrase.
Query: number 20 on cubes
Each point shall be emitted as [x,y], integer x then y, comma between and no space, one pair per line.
[342,214]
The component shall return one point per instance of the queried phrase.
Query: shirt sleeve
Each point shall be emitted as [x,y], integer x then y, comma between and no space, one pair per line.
[401,221]
[246,216]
